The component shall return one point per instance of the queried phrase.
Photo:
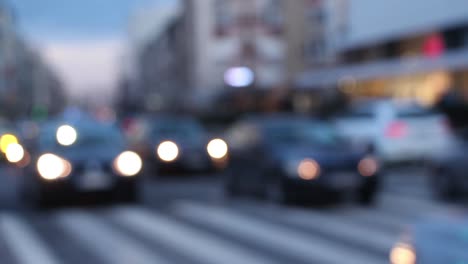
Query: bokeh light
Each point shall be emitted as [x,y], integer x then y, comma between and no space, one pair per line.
[368,167]
[402,254]
[14,153]
[66,135]
[217,148]
[6,140]
[308,169]
[52,167]
[168,151]
[128,164]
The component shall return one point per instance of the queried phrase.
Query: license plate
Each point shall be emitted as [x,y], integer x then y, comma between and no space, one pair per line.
[343,180]
[95,181]
[195,161]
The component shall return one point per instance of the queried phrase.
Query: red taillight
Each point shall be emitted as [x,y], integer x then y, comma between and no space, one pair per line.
[396,130]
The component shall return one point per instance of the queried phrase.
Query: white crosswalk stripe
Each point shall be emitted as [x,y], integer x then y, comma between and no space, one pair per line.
[200,246]
[310,249]
[338,227]
[24,243]
[238,232]
[109,244]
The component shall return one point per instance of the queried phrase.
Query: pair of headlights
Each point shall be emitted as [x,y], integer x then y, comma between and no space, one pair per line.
[309,169]
[53,167]
[168,151]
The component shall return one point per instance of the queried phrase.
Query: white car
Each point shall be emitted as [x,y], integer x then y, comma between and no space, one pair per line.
[397,131]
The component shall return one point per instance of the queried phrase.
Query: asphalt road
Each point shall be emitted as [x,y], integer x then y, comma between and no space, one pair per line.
[187,220]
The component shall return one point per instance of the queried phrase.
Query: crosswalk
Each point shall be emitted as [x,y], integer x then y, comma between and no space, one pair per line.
[187,231]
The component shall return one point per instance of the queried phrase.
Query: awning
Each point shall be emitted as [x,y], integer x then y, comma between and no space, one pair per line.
[316,78]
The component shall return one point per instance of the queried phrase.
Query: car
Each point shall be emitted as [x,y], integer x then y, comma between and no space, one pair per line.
[397,131]
[437,239]
[447,173]
[179,143]
[80,157]
[287,159]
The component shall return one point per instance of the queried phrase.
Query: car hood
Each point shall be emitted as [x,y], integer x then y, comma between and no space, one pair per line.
[324,155]
[89,154]
[442,239]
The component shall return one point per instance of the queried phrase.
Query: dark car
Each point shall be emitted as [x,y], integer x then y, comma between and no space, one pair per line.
[289,158]
[438,239]
[448,170]
[78,158]
[181,144]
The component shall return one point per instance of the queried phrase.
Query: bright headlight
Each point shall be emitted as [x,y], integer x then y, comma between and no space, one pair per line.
[128,164]
[403,254]
[66,135]
[14,153]
[6,140]
[53,167]
[217,148]
[368,167]
[168,151]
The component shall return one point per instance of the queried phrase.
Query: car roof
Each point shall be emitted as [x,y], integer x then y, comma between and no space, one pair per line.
[279,118]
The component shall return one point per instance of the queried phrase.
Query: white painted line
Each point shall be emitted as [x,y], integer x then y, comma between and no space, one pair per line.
[279,239]
[414,206]
[198,245]
[24,243]
[107,243]
[341,227]
[378,216]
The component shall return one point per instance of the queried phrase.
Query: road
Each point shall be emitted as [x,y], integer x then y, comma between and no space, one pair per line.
[187,220]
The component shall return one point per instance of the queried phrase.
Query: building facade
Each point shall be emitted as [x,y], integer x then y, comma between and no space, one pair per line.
[189,52]
[397,49]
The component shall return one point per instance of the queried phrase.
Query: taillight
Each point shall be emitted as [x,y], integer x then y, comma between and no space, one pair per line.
[396,130]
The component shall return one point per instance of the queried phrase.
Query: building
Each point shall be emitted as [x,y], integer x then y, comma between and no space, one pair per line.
[27,84]
[185,55]
[397,49]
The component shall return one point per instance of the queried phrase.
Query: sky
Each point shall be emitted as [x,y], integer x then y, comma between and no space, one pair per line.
[82,40]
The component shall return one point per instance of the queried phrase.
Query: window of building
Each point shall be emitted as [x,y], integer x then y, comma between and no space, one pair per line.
[273,17]
[223,17]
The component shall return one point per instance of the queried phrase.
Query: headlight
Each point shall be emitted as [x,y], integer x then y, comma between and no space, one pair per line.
[217,148]
[66,135]
[403,253]
[53,167]
[368,166]
[306,169]
[14,153]
[168,151]
[128,164]
[6,140]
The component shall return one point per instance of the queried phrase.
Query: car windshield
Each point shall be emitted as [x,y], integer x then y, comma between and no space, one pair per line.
[88,137]
[297,133]
[185,130]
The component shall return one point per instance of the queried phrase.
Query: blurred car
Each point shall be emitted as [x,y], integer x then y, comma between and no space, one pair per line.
[397,131]
[174,143]
[448,170]
[435,240]
[287,158]
[81,157]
